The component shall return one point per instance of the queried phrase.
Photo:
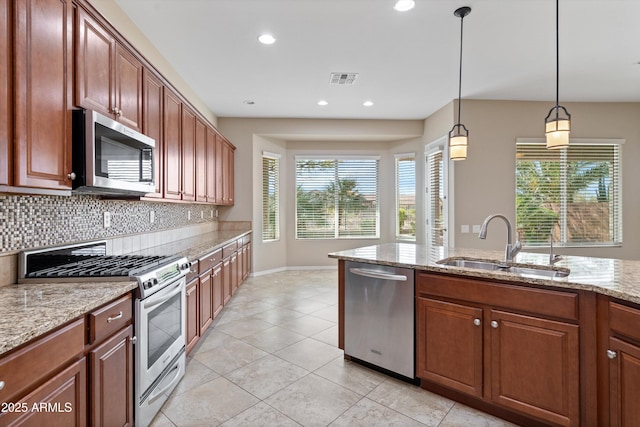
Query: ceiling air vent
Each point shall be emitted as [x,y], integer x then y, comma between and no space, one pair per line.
[343,78]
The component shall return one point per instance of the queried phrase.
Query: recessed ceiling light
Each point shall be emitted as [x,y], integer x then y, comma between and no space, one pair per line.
[404,5]
[266,39]
[368,103]
[249,102]
[322,103]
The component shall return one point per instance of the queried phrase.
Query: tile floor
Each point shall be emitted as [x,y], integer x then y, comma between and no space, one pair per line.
[271,359]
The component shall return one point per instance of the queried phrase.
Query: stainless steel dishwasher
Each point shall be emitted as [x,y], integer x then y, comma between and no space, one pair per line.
[379,316]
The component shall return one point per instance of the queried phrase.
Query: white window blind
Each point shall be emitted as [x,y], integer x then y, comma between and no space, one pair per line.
[336,198]
[406,196]
[270,197]
[435,202]
[573,194]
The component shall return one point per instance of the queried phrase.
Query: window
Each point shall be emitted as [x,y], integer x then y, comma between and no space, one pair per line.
[436,218]
[406,196]
[270,196]
[337,197]
[573,194]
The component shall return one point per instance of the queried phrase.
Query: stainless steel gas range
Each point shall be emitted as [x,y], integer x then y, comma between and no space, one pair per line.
[160,309]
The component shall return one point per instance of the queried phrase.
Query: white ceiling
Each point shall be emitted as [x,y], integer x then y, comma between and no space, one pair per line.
[407,62]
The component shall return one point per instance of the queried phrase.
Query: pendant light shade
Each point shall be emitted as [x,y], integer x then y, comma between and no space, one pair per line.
[459,135]
[558,121]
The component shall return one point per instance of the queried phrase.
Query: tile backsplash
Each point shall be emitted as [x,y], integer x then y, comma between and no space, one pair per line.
[35,221]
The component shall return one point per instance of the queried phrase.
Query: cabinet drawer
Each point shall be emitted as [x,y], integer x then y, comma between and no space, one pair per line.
[110,318]
[246,239]
[27,367]
[532,300]
[229,249]
[208,261]
[193,271]
[624,320]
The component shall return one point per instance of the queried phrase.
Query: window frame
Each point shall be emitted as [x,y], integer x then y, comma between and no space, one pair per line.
[267,156]
[336,229]
[397,159]
[617,227]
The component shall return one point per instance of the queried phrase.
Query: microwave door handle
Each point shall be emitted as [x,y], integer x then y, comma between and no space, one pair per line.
[152,304]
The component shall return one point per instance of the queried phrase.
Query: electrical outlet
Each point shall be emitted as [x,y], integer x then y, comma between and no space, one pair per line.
[211,214]
[476,228]
[106,219]
[216,213]
[464,228]
[152,217]
[201,214]
[189,215]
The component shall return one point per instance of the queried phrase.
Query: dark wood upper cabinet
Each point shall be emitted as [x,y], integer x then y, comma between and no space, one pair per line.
[128,88]
[43,86]
[153,96]
[211,165]
[172,148]
[201,161]
[188,154]
[6,152]
[109,77]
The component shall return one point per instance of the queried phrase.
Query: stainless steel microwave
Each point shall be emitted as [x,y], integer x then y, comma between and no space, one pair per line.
[109,157]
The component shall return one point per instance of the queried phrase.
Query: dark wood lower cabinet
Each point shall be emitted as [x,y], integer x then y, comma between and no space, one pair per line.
[535,367]
[59,402]
[193,310]
[450,352]
[624,387]
[111,366]
[217,289]
[206,302]
[509,362]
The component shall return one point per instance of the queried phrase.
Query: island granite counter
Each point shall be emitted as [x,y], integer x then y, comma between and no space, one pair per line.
[612,277]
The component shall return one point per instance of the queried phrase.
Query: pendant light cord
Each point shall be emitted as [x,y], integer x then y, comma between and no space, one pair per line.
[460,71]
[557,58]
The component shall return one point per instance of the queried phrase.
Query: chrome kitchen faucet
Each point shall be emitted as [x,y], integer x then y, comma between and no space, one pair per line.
[511,249]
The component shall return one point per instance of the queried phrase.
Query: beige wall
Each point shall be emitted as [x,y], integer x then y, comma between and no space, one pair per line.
[305,136]
[112,12]
[485,182]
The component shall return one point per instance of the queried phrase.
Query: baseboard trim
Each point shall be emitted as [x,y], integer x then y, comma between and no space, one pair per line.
[293,268]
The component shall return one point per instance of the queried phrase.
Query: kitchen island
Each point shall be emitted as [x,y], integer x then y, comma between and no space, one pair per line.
[533,349]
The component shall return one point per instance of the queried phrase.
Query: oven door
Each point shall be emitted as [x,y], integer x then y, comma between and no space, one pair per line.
[161,332]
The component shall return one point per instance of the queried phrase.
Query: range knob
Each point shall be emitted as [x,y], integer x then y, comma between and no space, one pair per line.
[147,284]
[185,266]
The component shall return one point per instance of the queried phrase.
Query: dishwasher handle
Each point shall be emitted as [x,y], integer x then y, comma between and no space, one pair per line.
[378,274]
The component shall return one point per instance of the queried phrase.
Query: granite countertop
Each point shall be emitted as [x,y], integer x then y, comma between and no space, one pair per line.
[29,310]
[613,277]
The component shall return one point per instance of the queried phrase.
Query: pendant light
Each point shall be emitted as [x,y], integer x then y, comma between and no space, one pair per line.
[558,121]
[459,135]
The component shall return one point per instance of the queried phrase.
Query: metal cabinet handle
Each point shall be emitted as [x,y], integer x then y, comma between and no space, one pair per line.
[116,317]
[71,176]
[611,354]
[494,324]
[477,322]
[134,340]
[1,385]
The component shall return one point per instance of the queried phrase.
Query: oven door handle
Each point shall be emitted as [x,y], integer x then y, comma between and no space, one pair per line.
[151,304]
[158,393]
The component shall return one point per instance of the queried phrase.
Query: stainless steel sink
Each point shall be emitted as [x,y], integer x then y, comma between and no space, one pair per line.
[524,270]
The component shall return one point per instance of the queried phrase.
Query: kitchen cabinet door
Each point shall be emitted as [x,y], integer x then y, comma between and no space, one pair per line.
[172,111]
[206,302]
[624,377]
[449,345]
[66,392]
[153,95]
[217,291]
[535,367]
[128,88]
[227,169]
[201,161]
[42,90]
[211,165]
[111,367]
[95,70]
[188,154]
[6,119]
[226,280]
[193,314]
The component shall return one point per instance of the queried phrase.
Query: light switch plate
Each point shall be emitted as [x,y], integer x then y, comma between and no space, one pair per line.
[464,228]
[476,228]
[106,219]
